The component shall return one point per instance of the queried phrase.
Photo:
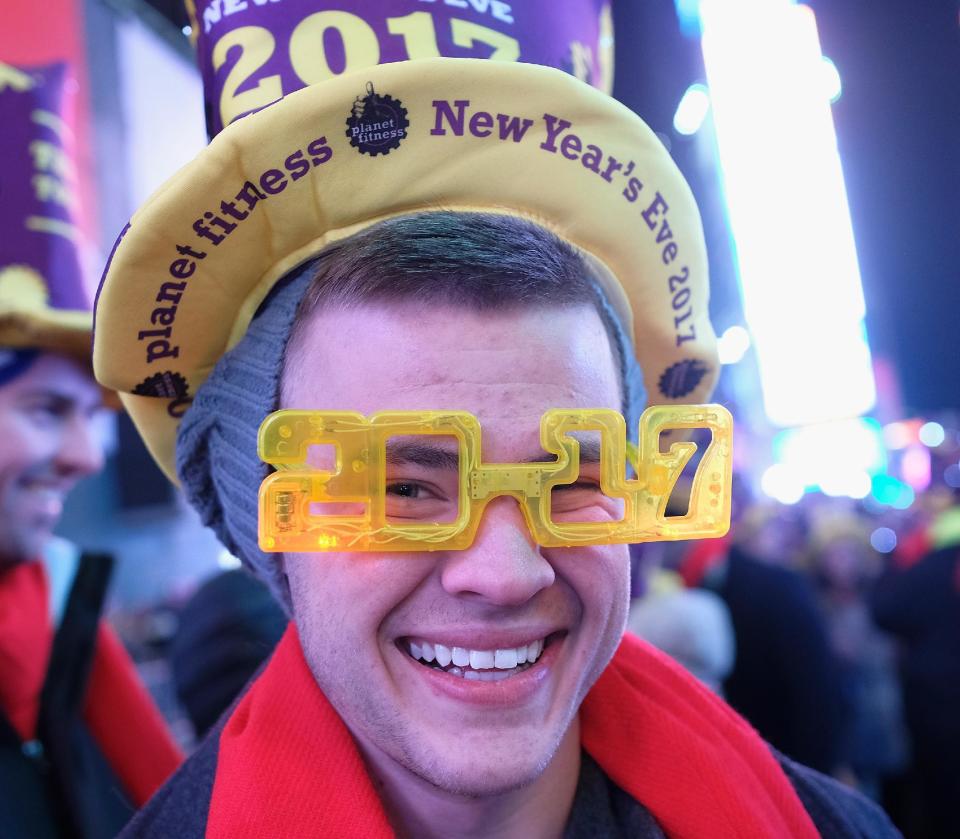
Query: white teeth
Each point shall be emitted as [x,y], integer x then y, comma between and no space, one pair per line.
[480,675]
[482,660]
[498,675]
[485,665]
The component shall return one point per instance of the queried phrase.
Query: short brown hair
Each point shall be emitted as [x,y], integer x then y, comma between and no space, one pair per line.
[485,261]
[479,261]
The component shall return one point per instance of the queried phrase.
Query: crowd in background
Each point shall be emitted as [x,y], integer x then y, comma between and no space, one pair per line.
[844,656]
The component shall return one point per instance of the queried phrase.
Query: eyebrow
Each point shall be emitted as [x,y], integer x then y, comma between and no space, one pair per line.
[422,454]
[59,400]
[589,449]
[434,456]
[63,401]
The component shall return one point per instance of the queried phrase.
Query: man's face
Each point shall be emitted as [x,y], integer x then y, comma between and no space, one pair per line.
[48,441]
[359,615]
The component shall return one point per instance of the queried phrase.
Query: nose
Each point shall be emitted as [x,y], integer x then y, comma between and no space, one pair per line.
[81,447]
[504,565]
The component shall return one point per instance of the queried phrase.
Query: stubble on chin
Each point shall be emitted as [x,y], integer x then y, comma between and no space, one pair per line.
[393,743]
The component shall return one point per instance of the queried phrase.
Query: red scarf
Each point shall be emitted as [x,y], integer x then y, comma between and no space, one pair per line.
[288,767]
[117,709]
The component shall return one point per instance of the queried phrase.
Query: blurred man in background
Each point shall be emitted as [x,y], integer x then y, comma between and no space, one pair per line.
[81,743]
[785,677]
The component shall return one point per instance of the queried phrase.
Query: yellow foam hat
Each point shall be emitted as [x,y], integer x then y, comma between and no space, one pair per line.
[274,188]
[43,303]
[28,321]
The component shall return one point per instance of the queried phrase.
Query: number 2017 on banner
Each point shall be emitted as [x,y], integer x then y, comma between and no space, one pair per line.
[360,46]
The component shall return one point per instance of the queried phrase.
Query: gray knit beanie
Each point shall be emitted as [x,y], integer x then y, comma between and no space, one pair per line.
[217,460]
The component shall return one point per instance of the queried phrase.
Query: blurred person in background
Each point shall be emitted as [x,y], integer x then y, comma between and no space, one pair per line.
[81,742]
[785,677]
[845,566]
[919,604]
[225,631]
[692,626]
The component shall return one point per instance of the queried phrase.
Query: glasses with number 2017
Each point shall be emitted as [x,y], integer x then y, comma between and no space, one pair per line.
[618,494]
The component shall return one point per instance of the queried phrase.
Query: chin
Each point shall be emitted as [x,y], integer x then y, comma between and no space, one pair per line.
[481,778]
[32,546]
[13,551]
[469,769]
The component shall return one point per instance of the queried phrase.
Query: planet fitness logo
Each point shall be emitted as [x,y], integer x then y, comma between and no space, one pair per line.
[682,378]
[167,385]
[376,124]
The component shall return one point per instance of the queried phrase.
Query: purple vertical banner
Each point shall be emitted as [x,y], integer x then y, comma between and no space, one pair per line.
[253,52]
[38,185]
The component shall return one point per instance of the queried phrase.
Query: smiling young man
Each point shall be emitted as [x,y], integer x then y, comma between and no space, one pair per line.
[464,670]
[70,698]
[48,442]
[477,689]
[81,742]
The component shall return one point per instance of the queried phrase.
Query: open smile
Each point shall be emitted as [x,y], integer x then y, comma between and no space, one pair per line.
[479,665]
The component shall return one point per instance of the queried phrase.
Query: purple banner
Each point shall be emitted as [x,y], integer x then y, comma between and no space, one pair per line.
[253,52]
[38,183]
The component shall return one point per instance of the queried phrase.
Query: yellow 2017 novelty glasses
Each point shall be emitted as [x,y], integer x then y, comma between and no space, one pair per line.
[370,510]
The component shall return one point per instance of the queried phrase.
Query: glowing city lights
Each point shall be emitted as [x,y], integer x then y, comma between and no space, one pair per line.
[733,344]
[951,476]
[905,499]
[830,76]
[931,434]
[915,467]
[847,483]
[892,492]
[782,483]
[688,13]
[883,540]
[839,458]
[692,110]
[898,435]
[788,209]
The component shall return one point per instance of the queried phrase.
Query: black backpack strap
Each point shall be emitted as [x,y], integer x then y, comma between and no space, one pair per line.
[8,734]
[90,801]
[73,645]
[27,798]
